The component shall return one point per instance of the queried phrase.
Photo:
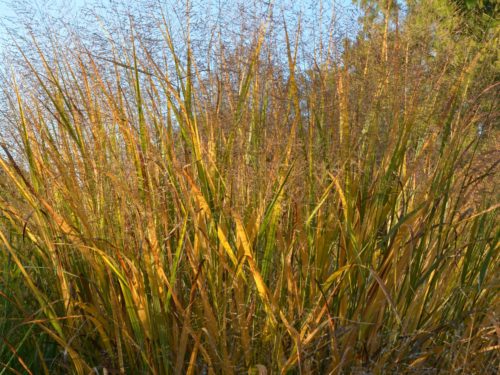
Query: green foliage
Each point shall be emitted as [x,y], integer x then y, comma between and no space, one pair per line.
[479,15]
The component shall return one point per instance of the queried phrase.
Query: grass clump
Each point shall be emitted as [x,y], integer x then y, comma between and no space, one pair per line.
[252,205]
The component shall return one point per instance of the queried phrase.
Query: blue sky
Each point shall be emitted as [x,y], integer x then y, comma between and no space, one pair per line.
[7,7]
[4,10]
[68,10]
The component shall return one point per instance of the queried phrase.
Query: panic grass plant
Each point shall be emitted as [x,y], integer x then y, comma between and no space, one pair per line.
[265,213]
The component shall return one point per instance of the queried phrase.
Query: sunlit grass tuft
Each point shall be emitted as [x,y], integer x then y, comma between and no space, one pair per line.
[161,218]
